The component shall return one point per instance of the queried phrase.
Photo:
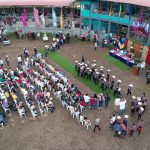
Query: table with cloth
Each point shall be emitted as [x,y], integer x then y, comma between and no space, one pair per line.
[122,58]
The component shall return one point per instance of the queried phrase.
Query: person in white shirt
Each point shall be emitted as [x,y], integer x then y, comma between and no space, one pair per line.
[116,104]
[122,106]
[19,59]
[112,121]
[1,62]
[86,99]
[95,45]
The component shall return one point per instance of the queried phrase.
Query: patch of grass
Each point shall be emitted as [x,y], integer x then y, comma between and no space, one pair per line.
[116,62]
[69,67]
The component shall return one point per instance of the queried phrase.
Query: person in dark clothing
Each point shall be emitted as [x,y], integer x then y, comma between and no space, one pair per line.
[129,90]
[68,37]
[97,124]
[107,99]
[35,50]
[82,58]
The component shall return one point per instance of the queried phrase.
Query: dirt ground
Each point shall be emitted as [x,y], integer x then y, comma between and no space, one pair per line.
[55,131]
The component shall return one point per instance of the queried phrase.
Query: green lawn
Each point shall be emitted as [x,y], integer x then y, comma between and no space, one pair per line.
[69,67]
[116,62]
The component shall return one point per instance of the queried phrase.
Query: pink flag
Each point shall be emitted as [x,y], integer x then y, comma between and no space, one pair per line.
[36,17]
[23,18]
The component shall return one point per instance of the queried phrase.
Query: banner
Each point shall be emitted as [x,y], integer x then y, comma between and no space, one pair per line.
[120,10]
[61,19]
[140,28]
[148,56]
[42,18]
[110,11]
[54,17]
[36,17]
[23,18]
[101,8]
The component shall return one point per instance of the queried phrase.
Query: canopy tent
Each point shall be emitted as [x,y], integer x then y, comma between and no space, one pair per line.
[35,3]
[145,3]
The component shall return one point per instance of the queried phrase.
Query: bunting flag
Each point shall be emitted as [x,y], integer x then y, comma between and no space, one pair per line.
[23,18]
[61,19]
[42,18]
[120,9]
[101,8]
[36,17]
[130,12]
[110,11]
[54,17]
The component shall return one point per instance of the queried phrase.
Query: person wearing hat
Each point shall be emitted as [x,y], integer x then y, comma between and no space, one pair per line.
[107,85]
[76,64]
[97,124]
[139,104]
[129,90]
[140,112]
[133,105]
[46,50]
[125,120]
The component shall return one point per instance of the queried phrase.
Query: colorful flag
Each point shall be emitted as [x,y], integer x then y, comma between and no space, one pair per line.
[101,8]
[42,18]
[61,19]
[120,9]
[36,17]
[54,18]
[110,11]
[23,18]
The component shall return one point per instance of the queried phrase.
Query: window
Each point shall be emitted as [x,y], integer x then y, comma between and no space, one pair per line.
[85,7]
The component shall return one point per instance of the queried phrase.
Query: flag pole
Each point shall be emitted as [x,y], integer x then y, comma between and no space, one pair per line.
[43,23]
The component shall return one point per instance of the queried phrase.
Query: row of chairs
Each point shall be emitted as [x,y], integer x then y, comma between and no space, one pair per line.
[75,113]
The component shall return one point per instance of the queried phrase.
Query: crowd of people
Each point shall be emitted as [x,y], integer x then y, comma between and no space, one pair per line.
[37,87]
[59,40]
[104,80]
[37,81]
